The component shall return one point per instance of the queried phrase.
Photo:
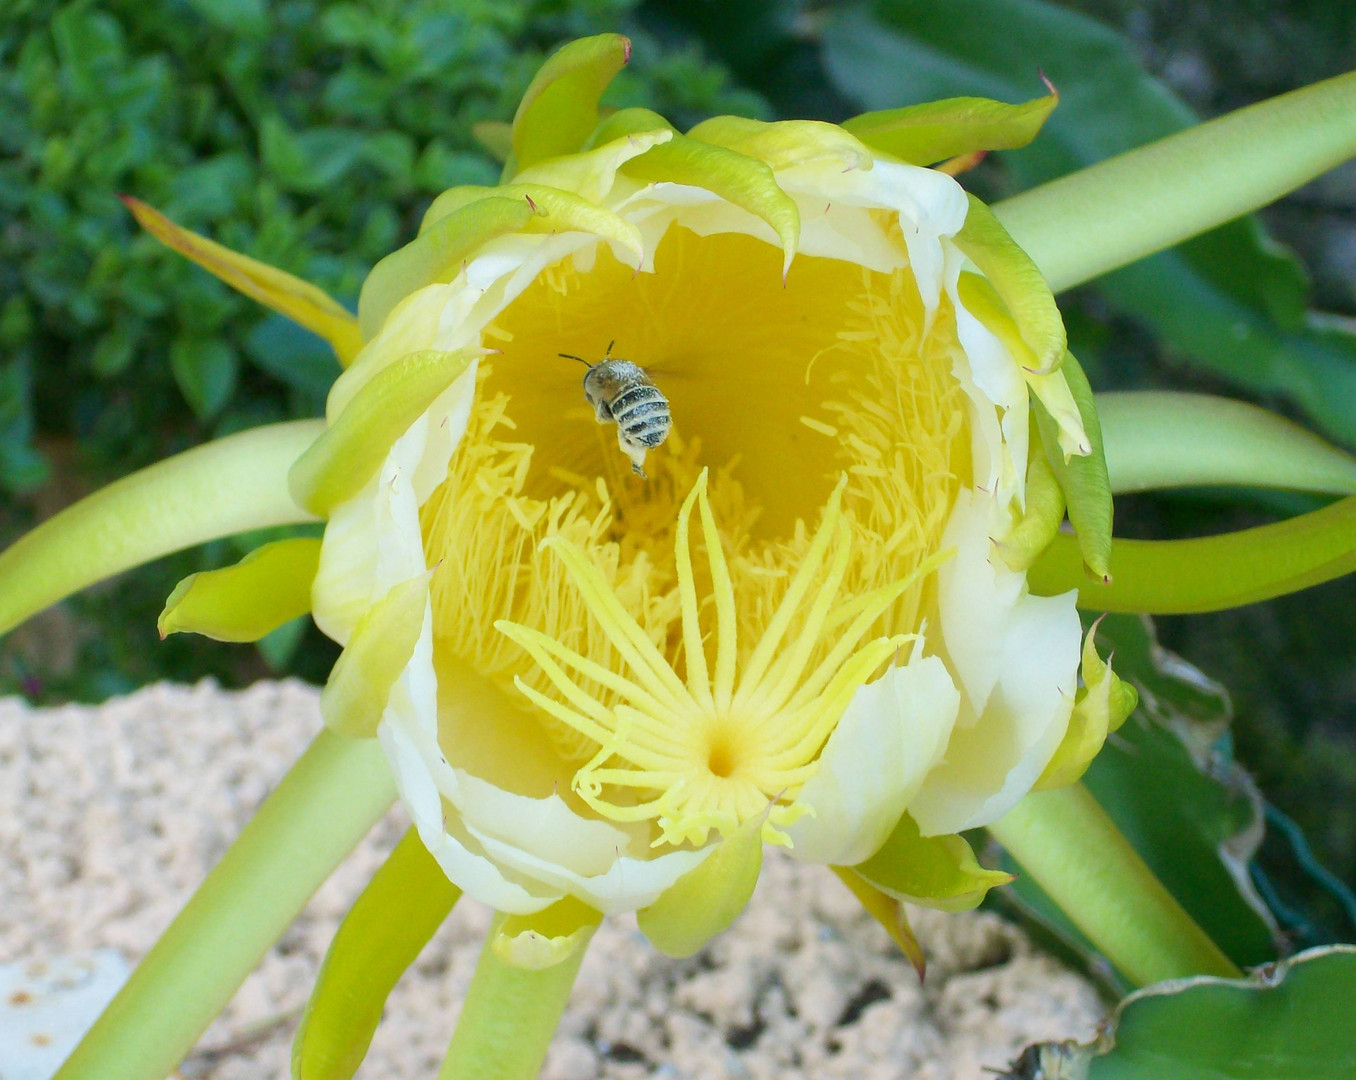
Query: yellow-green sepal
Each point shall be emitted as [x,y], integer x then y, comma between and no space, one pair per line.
[709,897]
[1083,479]
[338,464]
[267,588]
[1019,285]
[934,871]
[437,255]
[303,303]
[552,210]
[937,130]
[382,934]
[494,137]
[378,650]
[545,938]
[1040,519]
[887,911]
[737,178]
[560,106]
[1102,706]
[782,144]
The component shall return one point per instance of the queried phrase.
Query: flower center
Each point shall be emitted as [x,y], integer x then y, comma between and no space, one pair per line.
[689,642]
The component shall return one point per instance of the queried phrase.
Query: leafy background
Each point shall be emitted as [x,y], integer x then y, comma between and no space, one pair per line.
[312,135]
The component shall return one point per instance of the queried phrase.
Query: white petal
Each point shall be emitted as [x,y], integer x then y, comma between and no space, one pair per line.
[1016,658]
[890,736]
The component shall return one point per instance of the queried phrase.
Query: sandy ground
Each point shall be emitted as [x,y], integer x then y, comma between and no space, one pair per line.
[110,815]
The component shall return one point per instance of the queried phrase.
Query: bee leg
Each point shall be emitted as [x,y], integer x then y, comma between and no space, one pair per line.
[638,471]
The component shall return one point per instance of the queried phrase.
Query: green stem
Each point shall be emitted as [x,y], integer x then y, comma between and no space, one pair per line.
[509,1017]
[1066,842]
[325,804]
[1122,209]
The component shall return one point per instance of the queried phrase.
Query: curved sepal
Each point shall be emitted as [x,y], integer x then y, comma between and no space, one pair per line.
[1040,520]
[545,938]
[934,871]
[708,898]
[1083,479]
[494,137]
[382,934]
[377,652]
[783,144]
[303,303]
[438,254]
[267,588]
[1164,438]
[1211,573]
[1018,283]
[225,487]
[560,106]
[1101,706]
[887,911]
[337,464]
[737,178]
[936,130]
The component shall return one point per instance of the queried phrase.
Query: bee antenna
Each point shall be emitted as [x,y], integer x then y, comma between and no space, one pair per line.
[609,348]
[569,356]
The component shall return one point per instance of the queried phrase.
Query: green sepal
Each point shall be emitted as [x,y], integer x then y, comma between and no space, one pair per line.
[560,106]
[436,255]
[378,650]
[1040,520]
[1211,573]
[547,937]
[937,130]
[783,144]
[709,897]
[267,588]
[338,464]
[1084,480]
[494,137]
[229,486]
[934,871]
[382,934]
[552,210]
[1101,706]
[737,178]
[305,304]
[887,911]
[1018,283]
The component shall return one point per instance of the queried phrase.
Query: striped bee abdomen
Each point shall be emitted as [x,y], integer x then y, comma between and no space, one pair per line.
[642,415]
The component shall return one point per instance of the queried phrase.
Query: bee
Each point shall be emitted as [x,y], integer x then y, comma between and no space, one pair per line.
[621,393]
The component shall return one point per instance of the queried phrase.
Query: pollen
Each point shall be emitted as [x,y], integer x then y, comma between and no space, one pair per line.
[687,644]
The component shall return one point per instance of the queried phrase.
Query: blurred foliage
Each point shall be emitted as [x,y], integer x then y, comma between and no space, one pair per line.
[312,134]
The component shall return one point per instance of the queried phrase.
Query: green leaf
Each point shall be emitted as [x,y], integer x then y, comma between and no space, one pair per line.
[327,802]
[1231,300]
[385,929]
[205,370]
[935,130]
[1291,1021]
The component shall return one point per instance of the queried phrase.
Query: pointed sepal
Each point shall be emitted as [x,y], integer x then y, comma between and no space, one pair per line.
[267,588]
[303,303]
[933,871]
[560,106]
